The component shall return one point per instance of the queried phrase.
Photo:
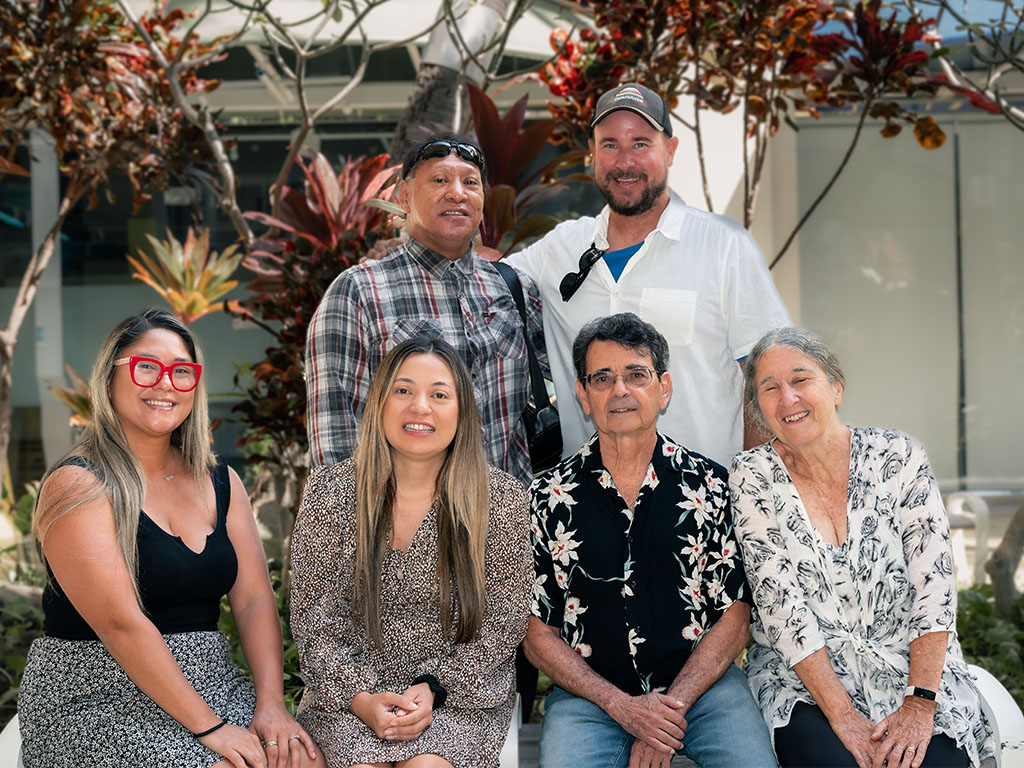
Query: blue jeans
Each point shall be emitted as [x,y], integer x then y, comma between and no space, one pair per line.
[724,729]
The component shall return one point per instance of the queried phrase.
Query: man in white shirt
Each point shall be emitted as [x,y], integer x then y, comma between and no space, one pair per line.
[698,277]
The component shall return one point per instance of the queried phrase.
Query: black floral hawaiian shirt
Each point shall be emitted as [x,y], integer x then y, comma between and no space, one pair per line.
[632,591]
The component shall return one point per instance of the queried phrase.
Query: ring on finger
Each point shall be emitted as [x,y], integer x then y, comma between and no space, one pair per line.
[271,743]
[296,736]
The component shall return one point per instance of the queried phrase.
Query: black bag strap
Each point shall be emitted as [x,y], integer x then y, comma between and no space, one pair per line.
[515,287]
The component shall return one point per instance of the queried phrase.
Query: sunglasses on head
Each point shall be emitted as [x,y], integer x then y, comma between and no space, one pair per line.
[572,281]
[443,148]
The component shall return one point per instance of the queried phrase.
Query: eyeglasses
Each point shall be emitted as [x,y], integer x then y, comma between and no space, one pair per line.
[147,372]
[443,148]
[635,377]
[572,281]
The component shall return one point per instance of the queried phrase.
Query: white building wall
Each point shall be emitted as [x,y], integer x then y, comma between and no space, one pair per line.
[776,205]
[878,276]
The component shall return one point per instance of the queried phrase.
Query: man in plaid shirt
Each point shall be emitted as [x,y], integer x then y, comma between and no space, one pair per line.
[434,284]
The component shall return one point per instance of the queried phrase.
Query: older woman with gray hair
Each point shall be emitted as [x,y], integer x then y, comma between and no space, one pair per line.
[846,546]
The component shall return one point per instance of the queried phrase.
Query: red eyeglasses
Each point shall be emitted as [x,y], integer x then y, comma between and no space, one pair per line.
[147,372]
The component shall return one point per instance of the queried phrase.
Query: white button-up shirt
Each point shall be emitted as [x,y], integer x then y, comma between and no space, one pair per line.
[701,280]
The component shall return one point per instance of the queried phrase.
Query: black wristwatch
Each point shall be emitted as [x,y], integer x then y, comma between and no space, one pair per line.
[921,693]
[440,694]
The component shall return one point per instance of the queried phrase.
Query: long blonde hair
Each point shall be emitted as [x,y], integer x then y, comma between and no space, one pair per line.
[116,472]
[462,495]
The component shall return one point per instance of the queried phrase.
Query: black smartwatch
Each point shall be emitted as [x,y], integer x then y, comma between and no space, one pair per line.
[440,694]
[921,693]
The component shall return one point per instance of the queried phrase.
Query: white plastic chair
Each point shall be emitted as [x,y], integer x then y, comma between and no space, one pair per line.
[1005,717]
[968,510]
[10,745]
[509,757]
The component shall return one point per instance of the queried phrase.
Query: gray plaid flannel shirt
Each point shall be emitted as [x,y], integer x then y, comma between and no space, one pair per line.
[376,305]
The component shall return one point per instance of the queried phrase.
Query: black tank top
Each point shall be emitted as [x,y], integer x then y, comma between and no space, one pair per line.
[181,589]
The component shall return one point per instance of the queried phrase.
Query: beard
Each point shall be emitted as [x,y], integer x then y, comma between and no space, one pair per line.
[646,202]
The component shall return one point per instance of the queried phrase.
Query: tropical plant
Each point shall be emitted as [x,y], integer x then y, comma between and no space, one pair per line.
[75,71]
[18,508]
[22,622]
[322,230]
[292,678]
[296,42]
[190,277]
[76,397]
[996,46]
[512,192]
[991,639]
[769,58]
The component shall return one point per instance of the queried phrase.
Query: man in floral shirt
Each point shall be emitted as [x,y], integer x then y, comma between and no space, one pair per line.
[640,599]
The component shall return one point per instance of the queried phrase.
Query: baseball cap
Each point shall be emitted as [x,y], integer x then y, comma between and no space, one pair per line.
[636,98]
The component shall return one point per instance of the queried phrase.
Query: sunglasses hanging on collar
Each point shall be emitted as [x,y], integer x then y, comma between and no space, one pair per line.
[572,281]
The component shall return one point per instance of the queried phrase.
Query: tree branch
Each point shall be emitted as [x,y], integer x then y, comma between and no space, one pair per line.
[493,77]
[26,294]
[456,35]
[1002,565]
[958,78]
[202,119]
[821,196]
[743,146]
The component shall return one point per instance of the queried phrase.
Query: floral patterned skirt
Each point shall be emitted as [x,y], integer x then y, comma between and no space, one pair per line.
[77,707]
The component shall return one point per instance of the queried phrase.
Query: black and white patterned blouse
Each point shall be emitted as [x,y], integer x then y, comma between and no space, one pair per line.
[632,591]
[890,582]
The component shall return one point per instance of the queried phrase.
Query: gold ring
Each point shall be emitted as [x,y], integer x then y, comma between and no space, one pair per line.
[271,743]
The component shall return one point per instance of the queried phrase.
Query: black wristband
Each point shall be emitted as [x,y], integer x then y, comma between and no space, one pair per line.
[208,731]
[439,691]
[921,693]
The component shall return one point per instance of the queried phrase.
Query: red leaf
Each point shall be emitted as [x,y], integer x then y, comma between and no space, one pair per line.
[6,166]
[489,133]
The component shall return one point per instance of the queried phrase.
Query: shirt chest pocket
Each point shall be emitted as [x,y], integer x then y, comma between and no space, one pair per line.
[404,330]
[500,331]
[672,312]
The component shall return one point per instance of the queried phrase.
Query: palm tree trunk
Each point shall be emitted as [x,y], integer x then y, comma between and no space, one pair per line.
[439,101]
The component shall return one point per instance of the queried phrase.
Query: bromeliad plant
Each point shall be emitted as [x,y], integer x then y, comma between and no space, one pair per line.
[76,397]
[189,276]
[513,191]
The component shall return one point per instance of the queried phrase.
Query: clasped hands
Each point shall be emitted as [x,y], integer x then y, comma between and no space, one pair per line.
[658,723]
[396,716]
[897,741]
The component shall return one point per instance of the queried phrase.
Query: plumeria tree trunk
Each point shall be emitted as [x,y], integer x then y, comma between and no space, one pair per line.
[22,303]
[76,73]
[1002,565]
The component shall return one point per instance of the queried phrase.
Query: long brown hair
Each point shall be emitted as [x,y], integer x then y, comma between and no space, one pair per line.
[462,496]
[117,474]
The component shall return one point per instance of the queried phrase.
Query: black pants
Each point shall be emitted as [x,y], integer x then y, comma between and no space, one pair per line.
[526,683]
[808,742]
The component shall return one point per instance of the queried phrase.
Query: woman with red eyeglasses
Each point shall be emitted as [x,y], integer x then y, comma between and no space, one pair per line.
[142,532]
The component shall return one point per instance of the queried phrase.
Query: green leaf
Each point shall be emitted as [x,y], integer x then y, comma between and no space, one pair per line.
[385,205]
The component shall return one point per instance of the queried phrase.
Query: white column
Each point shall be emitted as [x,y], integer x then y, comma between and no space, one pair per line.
[49,333]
